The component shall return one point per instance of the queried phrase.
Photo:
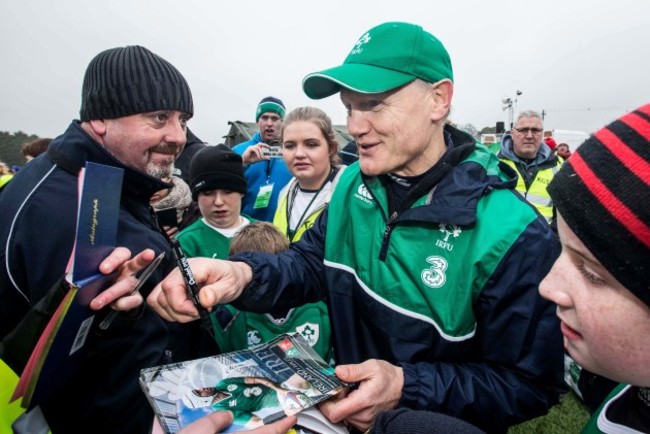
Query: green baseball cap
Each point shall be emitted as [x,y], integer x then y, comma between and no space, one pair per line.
[387,56]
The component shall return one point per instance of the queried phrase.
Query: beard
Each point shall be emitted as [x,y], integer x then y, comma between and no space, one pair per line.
[160,171]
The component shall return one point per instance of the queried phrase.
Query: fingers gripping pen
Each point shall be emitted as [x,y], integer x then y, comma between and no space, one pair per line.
[192,287]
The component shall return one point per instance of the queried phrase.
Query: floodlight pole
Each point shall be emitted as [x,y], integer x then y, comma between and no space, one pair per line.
[517,93]
[507,105]
[511,105]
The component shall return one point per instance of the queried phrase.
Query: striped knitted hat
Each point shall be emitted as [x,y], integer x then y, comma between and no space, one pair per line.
[270,104]
[124,81]
[603,194]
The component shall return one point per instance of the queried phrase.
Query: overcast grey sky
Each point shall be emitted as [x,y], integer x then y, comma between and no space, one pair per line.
[583,62]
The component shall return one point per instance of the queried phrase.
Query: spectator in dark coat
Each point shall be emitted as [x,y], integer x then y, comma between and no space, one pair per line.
[141,131]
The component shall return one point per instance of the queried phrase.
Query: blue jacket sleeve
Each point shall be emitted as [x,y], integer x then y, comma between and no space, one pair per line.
[288,279]
[519,373]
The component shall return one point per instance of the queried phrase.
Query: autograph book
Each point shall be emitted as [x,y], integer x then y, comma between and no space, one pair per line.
[259,385]
[61,346]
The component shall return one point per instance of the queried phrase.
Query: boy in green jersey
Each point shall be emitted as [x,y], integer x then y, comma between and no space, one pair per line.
[217,183]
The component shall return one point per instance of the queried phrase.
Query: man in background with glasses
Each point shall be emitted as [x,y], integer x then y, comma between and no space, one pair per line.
[524,150]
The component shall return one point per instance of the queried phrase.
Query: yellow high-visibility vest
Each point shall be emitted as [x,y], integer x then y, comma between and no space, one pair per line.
[322,198]
[280,219]
[9,412]
[537,195]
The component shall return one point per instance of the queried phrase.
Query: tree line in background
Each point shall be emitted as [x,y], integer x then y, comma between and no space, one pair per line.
[10,144]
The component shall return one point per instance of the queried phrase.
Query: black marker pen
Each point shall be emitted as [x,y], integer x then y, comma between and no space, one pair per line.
[192,287]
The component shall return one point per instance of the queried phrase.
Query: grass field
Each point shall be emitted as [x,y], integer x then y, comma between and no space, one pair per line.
[568,417]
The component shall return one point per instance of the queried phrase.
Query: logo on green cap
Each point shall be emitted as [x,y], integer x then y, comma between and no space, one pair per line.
[357,49]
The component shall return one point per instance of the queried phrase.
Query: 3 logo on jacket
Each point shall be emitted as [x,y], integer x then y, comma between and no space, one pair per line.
[434,276]
[448,230]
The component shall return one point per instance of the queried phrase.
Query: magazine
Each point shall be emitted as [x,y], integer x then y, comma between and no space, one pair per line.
[259,385]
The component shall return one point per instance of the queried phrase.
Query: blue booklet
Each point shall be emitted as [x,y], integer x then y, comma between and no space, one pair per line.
[60,349]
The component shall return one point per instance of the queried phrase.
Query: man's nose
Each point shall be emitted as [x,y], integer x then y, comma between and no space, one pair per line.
[357,123]
[176,132]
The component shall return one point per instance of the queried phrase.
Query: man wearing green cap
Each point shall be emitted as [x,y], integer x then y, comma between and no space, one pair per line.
[428,259]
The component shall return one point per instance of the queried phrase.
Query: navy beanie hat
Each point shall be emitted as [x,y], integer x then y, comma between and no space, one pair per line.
[213,168]
[124,81]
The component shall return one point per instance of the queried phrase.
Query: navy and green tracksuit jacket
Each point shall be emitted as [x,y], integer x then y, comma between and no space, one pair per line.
[448,290]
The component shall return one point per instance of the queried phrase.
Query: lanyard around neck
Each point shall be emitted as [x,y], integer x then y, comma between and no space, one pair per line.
[290,202]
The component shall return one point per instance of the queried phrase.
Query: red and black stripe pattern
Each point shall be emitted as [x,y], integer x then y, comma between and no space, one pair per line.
[603,193]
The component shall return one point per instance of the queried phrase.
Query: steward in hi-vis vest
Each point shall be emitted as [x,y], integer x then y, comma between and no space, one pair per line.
[535,163]
[535,190]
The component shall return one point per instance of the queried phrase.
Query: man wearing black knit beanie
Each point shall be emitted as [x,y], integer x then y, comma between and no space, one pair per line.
[134,111]
[266,175]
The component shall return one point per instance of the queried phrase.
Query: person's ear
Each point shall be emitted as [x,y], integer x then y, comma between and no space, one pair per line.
[98,126]
[442,93]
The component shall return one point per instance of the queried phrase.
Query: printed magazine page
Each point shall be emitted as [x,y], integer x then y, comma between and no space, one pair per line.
[259,385]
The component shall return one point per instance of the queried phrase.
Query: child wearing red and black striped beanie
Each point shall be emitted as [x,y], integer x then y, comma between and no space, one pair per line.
[600,282]
[603,194]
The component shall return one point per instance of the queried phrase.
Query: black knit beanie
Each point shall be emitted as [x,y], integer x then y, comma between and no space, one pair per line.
[128,80]
[213,168]
[270,104]
[603,194]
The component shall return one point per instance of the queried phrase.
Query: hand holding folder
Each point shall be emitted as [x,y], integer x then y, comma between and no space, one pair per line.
[61,346]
